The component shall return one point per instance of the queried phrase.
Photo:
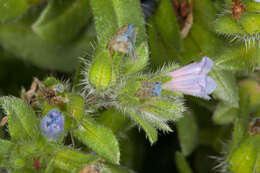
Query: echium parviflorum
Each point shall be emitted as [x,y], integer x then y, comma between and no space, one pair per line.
[240,21]
[152,100]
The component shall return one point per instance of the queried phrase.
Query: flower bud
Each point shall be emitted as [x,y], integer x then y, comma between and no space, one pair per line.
[102,75]
[124,41]
[52,125]
[149,89]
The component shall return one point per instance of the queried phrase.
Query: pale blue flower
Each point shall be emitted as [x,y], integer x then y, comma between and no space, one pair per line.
[192,79]
[52,125]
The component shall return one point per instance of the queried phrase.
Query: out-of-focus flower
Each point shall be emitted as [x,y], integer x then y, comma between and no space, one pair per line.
[52,125]
[192,79]
[149,89]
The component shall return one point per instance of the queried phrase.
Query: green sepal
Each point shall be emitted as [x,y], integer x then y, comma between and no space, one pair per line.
[99,138]
[148,127]
[168,110]
[143,57]
[62,20]
[22,121]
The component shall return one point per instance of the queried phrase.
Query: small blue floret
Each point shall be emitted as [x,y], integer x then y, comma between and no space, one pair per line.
[157,88]
[52,125]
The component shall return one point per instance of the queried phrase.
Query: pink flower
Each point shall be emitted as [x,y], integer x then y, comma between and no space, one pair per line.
[192,79]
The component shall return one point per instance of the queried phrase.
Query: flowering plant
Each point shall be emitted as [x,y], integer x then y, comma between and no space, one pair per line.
[147,86]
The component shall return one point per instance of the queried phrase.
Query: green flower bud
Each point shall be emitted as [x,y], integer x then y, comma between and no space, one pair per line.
[101,74]
[243,159]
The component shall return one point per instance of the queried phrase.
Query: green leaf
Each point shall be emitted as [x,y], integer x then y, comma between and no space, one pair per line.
[204,11]
[167,25]
[224,114]
[160,51]
[236,58]
[98,138]
[204,16]
[71,160]
[188,133]
[11,9]
[226,89]
[164,34]
[149,129]
[23,43]
[22,121]
[105,20]
[113,119]
[109,168]
[62,20]
[181,163]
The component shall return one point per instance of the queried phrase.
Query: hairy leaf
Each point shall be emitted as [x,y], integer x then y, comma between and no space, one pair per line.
[71,160]
[98,138]
[149,129]
[22,121]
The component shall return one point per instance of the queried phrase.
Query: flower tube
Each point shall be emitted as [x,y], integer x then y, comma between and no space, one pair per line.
[192,79]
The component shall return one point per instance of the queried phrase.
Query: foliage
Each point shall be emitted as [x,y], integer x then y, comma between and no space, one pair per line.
[100,69]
